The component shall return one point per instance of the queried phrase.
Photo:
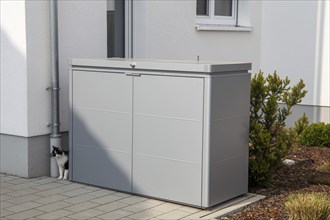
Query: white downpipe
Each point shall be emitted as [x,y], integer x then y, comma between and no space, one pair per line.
[55,136]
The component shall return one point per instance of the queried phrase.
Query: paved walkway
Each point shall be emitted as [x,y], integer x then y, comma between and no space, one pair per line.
[48,198]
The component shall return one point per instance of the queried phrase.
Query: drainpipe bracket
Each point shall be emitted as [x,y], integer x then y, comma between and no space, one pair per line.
[55,135]
[52,88]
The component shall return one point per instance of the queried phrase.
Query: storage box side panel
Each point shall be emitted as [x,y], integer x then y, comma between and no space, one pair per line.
[229,132]
[70,125]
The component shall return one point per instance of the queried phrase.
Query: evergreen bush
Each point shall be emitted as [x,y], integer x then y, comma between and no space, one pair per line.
[301,124]
[316,134]
[269,140]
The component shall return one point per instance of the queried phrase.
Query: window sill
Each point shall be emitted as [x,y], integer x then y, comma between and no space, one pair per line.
[208,27]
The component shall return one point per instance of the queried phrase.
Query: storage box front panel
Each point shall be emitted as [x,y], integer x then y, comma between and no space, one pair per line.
[102,129]
[167,137]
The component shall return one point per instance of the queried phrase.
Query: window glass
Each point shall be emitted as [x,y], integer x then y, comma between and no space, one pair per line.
[202,7]
[115,28]
[216,12]
[223,7]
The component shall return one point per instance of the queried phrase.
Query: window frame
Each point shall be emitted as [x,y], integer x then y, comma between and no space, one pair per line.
[212,19]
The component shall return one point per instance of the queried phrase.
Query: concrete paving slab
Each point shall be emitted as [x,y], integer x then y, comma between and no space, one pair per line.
[87,214]
[117,214]
[54,206]
[57,214]
[81,198]
[25,215]
[81,206]
[111,206]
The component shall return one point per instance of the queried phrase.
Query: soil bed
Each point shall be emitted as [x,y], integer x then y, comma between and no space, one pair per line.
[302,177]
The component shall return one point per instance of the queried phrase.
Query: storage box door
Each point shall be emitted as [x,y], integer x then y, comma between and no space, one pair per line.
[167,137]
[102,129]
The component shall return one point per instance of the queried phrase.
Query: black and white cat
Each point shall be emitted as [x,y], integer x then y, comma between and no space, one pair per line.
[62,158]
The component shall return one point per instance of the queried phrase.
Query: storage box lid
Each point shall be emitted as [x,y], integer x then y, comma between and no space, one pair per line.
[162,65]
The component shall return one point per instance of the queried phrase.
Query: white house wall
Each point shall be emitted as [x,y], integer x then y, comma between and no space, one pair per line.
[324,53]
[38,67]
[24,78]
[166,30]
[25,59]
[82,34]
[25,75]
[295,42]
[25,68]
[291,37]
[14,116]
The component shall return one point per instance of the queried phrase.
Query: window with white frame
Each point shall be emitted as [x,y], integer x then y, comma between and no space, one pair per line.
[216,12]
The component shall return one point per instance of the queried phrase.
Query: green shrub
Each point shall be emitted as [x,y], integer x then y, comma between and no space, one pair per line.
[316,134]
[269,140]
[301,124]
[308,206]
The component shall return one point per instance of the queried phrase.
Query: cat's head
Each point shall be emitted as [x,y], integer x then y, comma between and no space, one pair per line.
[57,151]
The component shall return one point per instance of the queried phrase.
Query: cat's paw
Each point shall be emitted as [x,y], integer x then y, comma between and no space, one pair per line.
[66,173]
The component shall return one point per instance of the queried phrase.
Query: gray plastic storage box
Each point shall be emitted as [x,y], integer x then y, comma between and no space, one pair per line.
[165,129]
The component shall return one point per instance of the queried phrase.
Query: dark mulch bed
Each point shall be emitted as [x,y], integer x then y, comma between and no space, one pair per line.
[302,177]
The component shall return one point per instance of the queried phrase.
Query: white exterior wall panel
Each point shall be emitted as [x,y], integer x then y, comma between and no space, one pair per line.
[25,59]
[166,30]
[291,37]
[25,108]
[83,34]
[296,44]
[38,67]
[13,90]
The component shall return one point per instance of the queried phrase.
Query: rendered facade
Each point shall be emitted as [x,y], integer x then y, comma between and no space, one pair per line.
[291,37]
